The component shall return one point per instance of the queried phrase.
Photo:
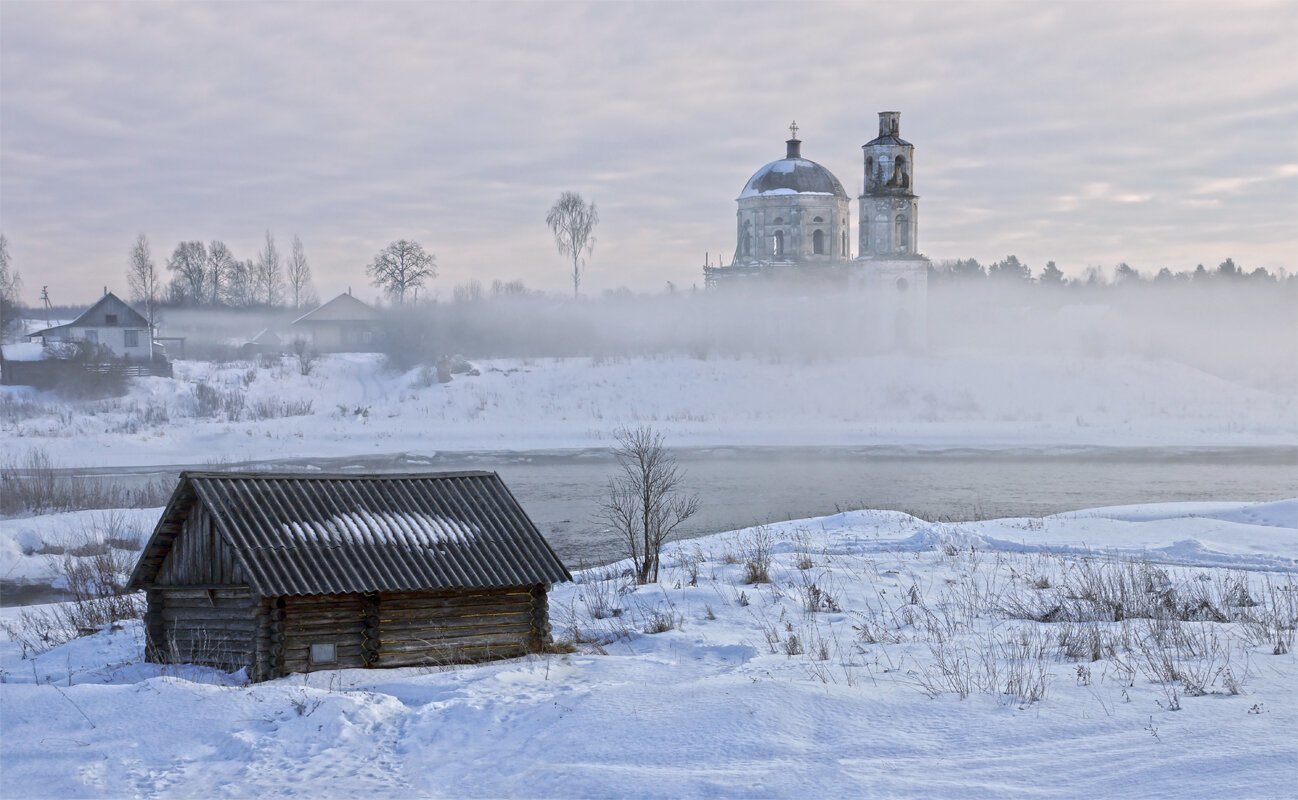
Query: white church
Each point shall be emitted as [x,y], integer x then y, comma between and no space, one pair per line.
[794,227]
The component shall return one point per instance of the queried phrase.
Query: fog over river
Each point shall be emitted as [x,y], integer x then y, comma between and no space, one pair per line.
[744,486]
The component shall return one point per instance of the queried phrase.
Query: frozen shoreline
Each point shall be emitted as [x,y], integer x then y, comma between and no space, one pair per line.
[351,406]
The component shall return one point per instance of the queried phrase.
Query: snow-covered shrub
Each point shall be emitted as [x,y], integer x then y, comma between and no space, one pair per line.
[93,566]
[756,554]
[33,483]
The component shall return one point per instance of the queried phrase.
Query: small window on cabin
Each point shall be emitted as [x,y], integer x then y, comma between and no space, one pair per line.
[132,338]
[324,653]
[110,319]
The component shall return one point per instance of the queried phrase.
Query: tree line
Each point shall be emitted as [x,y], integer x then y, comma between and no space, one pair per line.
[1010,270]
[209,275]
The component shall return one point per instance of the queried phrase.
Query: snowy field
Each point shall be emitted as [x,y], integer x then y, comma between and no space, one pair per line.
[351,405]
[1120,652]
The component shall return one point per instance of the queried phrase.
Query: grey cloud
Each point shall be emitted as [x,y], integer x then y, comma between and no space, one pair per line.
[457,124]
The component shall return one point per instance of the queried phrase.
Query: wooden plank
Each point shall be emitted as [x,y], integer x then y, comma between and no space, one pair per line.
[512,623]
[387,646]
[513,601]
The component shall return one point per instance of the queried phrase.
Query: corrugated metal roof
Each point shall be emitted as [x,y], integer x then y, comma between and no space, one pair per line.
[310,533]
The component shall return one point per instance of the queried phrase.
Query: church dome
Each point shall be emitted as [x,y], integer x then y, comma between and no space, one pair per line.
[792,174]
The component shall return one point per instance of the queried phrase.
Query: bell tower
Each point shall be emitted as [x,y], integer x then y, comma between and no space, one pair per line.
[889,208]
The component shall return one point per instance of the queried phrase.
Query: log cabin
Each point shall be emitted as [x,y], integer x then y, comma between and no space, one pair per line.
[279,573]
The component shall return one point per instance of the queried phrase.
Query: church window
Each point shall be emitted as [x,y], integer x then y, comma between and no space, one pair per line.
[779,220]
[818,242]
[746,239]
[778,244]
[899,177]
[903,232]
[818,219]
[844,244]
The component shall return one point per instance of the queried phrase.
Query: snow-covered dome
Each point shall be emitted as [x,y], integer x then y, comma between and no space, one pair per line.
[792,174]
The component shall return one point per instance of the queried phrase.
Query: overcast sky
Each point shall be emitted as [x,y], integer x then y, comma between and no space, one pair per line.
[1162,134]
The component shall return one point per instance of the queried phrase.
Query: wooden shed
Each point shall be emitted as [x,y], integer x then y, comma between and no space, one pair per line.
[291,572]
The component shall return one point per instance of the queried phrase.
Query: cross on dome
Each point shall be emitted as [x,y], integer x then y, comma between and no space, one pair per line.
[793,129]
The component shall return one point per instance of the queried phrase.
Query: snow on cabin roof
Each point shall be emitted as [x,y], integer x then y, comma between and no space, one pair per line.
[308,533]
[344,307]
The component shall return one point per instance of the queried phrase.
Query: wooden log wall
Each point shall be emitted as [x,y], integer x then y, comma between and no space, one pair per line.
[337,619]
[231,628]
[215,627]
[429,628]
[199,555]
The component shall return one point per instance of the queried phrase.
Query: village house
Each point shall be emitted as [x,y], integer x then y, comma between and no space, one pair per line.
[109,323]
[342,325]
[109,337]
[297,572]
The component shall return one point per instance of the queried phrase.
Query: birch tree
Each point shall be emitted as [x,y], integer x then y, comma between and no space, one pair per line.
[299,274]
[143,280]
[11,283]
[219,262]
[270,273]
[572,221]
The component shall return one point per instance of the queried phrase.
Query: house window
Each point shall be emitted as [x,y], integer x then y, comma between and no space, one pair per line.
[324,653]
[110,319]
[777,247]
[92,337]
[132,338]
[818,243]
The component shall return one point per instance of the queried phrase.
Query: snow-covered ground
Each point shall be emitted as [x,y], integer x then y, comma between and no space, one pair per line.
[351,405]
[886,656]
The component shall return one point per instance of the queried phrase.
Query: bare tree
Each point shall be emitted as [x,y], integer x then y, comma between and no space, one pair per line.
[644,504]
[270,273]
[299,274]
[401,267]
[219,262]
[573,222]
[241,284]
[143,280]
[11,283]
[189,262]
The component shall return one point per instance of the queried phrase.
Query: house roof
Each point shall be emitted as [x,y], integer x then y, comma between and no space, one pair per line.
[96,316]
[343,308]
[310,533]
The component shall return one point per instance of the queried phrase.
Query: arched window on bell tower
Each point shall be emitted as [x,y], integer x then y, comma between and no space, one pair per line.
[902,236]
